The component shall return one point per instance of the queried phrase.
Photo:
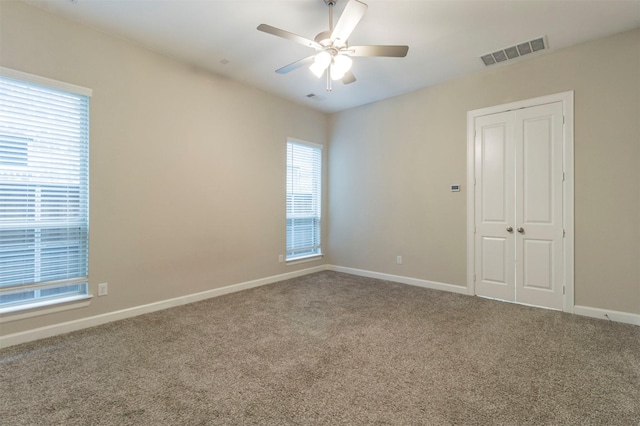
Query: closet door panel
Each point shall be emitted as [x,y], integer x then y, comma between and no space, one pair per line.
[538,203]
[494,207]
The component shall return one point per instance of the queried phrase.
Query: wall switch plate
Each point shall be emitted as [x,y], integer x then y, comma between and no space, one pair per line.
[103,289]
[280,258]
[399,260]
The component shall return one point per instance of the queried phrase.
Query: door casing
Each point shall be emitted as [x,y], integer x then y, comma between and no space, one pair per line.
[567,194]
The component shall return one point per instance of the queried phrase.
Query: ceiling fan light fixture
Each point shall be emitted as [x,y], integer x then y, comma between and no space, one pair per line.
[336,73]
[317,70]
[344,62]
[341,64]
[320,63]
[322,59]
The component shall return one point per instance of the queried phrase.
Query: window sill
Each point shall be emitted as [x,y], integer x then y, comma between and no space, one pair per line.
[304,259]
[15,313]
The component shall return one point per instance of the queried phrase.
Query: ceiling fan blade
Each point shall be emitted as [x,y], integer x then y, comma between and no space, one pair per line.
[389,51]
[352,14]
[295,65]
[348,78]
[289,36]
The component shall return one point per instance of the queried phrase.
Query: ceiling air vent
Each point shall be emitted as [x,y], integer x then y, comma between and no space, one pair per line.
[514,52]
[315,97]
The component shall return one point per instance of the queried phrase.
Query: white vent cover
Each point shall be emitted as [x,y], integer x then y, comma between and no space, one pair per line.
[315,97]
[514,51]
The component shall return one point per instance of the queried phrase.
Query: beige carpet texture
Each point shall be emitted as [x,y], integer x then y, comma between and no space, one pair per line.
[330,349]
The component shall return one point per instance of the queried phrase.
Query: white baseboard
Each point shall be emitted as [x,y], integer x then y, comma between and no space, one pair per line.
[625,317]
[66,327]
[400,279]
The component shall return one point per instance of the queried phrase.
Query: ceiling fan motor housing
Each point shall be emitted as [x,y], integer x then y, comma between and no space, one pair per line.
[324,39]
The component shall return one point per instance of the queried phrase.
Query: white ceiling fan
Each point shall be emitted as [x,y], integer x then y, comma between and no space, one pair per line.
[333,53]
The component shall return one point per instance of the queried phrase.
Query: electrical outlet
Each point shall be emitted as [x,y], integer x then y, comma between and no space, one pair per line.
[399,260]
[280,258]
[103,289]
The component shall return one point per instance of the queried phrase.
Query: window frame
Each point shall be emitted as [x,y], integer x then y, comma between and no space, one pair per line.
[316,203]
[68,299]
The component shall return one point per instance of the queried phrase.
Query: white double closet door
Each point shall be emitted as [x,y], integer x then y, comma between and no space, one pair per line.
[518,205]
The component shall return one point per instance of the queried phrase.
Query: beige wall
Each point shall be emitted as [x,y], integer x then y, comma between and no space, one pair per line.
[391,164]
[187,169]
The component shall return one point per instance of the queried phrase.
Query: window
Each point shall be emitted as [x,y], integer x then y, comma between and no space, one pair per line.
[304,165]
[44,200]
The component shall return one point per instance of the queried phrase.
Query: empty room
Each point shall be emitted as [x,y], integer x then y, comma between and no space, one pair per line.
[297,212]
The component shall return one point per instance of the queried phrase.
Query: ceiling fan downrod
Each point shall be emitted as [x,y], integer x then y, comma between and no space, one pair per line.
[330,3]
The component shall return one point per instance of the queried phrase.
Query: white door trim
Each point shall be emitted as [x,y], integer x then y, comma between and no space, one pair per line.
[568,208]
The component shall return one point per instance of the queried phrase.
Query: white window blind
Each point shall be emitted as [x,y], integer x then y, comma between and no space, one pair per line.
[44,200]
[304,176]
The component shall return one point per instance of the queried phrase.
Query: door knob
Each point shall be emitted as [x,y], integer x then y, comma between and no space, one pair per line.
[521,230]
[509,229]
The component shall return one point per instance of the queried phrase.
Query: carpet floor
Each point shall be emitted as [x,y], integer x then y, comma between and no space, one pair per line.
[330,348]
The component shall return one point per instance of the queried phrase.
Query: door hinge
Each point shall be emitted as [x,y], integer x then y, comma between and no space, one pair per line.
[563,177]
[563,119]
[564,233]
[563,289]
[474,278]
